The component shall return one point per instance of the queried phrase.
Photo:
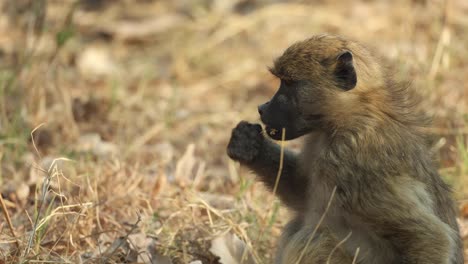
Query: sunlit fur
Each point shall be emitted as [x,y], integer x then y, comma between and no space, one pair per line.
[371,146]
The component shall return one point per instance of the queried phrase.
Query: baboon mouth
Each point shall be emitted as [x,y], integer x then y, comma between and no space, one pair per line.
[273,132]
[277,133]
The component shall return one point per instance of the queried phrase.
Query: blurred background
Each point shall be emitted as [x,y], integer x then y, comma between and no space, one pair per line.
[115,115]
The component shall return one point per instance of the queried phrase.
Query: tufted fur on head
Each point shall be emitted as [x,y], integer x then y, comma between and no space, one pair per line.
[374,92]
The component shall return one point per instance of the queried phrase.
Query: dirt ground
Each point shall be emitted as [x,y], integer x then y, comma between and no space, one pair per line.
[115,116]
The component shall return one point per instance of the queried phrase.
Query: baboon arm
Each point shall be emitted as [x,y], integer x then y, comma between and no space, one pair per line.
[292,185]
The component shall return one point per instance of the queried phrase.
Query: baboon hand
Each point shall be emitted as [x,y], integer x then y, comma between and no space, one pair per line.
[246,142]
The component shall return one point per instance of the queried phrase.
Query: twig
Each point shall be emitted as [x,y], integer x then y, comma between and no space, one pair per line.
[280,169]
[356,255]
[125,237]
[142,140]
[45,187]
[338,245]
[33,141]
[7,216]
[444,40]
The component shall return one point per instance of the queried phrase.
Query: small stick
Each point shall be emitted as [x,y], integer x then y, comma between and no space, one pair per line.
[7,216]
[280,169]
[338,245]
[356,255]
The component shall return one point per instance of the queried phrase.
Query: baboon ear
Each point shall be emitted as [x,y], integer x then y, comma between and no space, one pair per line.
[344,71]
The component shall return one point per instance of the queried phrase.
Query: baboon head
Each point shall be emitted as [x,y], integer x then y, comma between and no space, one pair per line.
[311,73]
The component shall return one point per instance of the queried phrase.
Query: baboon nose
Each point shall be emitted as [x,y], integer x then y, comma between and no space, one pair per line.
[260,111]
[262,107]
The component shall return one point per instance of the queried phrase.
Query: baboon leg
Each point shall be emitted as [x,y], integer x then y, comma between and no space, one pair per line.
[288,232]
[322,249]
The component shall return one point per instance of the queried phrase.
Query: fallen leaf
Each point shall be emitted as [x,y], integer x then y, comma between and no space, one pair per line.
[231,250]
[96,61]
[158,185]
[139,242]
[22,193]
[185,166]
[93,143]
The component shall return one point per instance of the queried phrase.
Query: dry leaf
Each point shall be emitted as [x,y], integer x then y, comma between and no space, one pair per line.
[139,242]
[158,185]
[96,61]
[185,166]
[231,250]
[22,193]
[93,143]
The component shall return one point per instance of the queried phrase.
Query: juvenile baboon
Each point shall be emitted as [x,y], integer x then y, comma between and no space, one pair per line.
[365,140]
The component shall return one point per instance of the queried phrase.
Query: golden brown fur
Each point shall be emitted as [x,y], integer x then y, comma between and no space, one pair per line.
[368,144]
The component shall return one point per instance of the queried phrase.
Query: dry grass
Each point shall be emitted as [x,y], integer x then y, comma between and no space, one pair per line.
[136,101]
